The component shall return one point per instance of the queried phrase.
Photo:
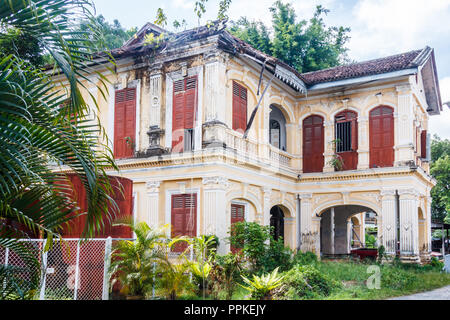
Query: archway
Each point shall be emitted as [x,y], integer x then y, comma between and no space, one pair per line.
[347,227]
[423,246]
[277,127]
[277,222]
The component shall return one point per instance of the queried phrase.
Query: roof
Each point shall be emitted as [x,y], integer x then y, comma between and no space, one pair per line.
[396,62]
[416,59]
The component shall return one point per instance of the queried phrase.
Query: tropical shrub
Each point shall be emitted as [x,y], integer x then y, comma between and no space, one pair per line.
[261,287]
[204,250]
[133,263]
[225,274]
[305,282]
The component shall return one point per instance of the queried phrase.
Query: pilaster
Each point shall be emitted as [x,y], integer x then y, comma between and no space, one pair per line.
[153,203]
[214,209]
[409,226]
[388,223]
[404,128]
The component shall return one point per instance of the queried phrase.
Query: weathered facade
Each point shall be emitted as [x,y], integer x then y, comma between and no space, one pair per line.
[176,115]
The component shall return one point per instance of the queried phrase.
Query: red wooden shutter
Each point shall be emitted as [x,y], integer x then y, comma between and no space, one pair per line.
[184,108]
[124,123]
[381,131]
[184,217]
[178,116]
[239,107]
[237,215]
[122,193]
[348,148]
[313,144]
[423,144]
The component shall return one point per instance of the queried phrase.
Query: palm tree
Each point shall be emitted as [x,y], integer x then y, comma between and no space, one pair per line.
[40,124]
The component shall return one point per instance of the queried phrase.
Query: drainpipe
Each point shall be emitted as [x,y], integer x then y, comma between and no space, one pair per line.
[299,229]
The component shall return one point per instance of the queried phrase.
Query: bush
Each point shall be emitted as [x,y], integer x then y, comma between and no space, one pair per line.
[259,248]
[304,258]
[303,282]
[251,237]
[435,263]
[276,256]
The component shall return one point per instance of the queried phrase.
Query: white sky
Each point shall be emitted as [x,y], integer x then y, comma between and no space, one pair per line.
[378,27]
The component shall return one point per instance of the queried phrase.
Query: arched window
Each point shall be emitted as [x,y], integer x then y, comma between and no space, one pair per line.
[381,132]
[277,128]
[346,135]
[313,144]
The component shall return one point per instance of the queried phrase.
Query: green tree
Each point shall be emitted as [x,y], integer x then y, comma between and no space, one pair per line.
[440,170]
[441,191]
[15,41]
[110,35]
[40,124]
[307,45]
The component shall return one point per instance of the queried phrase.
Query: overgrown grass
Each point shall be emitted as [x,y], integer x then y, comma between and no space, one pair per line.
[396,279]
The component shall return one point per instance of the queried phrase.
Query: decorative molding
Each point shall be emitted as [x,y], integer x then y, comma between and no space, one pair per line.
[216,181]
[152,186]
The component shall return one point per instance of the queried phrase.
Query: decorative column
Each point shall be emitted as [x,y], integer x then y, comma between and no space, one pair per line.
[155,132]
[215,101]
[267,193]
[153,203]
[214,210]
[332,230]
[307,235]
[328,145]
[363,143]
[428,225]
[404,127]
[409,225]
[388,217]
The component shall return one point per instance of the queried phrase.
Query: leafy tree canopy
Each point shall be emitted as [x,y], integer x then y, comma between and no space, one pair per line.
[307,45]
[113,35]
[440,170]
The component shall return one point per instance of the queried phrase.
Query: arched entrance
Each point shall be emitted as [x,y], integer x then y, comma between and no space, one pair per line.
[423,246]
[277,222]
[347,227]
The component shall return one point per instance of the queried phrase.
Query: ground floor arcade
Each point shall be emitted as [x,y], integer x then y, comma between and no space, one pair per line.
[323,212]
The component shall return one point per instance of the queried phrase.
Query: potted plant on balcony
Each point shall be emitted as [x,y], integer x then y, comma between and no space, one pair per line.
[336,160]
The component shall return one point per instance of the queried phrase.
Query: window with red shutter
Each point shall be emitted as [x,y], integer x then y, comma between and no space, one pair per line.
[239,107]
[124,123]
[237,215]
[381,140]
[184,218]
[184,113]
[346,134]
[423,144]
[313,144]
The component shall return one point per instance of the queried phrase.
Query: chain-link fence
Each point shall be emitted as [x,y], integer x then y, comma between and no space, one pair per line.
[73,269]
